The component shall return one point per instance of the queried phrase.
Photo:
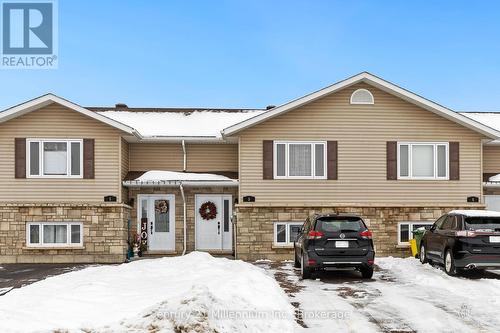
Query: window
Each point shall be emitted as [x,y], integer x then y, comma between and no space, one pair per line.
[285,233]
[422,160]
[54,234]
[362,96]
[300,160]
[405,230]
[54,158]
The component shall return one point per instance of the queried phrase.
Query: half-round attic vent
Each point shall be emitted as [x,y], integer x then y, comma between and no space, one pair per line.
[362,96]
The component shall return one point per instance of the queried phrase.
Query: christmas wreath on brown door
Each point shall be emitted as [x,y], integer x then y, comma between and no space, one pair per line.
[208,210]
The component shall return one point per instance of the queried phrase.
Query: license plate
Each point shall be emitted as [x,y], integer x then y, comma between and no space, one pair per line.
[494,239]
[343,244]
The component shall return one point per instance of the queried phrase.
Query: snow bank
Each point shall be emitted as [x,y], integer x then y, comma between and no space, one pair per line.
[159,175]
[196,293]
[197,123]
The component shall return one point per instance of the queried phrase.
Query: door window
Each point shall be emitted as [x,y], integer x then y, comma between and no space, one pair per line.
[162,216]
[226,215]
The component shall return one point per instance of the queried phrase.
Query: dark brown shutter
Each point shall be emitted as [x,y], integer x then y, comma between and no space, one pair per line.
[392,161]
[454,160]
[267,159]
[332,156]
[20,157]
[88,159]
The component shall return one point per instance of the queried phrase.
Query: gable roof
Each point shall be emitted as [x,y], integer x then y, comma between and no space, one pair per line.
[48,99]
[378,83]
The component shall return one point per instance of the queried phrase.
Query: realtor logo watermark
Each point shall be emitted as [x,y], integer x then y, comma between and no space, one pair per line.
[29,34]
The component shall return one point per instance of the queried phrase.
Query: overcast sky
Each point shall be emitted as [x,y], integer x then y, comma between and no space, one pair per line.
[256,53]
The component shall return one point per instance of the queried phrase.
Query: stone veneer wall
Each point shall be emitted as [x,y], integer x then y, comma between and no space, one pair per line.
[189,193]
[104,232]
[255,227]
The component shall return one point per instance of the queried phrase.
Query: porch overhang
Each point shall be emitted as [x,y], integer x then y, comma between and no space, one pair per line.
[177,183]
[161,178]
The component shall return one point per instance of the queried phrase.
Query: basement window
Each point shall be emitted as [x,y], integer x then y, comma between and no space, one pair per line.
[285,233]
[405,230]
[54,158]
[54,234]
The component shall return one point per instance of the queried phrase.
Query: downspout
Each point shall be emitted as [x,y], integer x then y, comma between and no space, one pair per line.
[184,208]
[184,153]
[184,216]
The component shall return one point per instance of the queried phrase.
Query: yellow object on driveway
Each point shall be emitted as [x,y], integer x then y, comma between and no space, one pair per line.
[413,247]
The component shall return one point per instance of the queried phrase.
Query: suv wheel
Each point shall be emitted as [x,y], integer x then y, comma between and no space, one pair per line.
[305,272]
[296,262]
[449,264]
[366,272]
[423,255]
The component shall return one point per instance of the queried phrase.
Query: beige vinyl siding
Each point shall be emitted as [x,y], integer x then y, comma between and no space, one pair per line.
[169,156]
[212,157]
[362,132]
[491,159]
[55,121]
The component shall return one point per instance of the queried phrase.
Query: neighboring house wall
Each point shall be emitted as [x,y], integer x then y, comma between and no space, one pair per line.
[169,156]
[362,132]
[55,121]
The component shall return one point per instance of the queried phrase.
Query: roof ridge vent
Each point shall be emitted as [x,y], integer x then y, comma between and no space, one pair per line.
[121,106]
[269,107]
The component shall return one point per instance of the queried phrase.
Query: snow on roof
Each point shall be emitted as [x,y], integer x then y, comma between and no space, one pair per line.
[490,119]
[160,177]
[180,124]
[476,213]
[495,178]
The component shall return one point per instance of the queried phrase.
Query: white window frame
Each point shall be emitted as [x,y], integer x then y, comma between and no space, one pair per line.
[410,161]
[410,228]
[287,242]
[362,103]
[53,245]
[40,158]
[287,164]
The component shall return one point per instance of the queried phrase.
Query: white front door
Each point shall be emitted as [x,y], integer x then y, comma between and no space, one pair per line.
[158,212]
[214,230]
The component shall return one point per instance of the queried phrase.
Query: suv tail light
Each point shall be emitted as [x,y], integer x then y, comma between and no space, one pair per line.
[313,234]
[366,234]
[465,233]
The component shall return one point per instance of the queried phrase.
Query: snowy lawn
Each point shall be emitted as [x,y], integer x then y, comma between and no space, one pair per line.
[180,294]
[403,296]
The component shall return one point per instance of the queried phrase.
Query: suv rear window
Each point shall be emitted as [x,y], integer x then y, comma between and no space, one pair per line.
[477,223]
[339,224]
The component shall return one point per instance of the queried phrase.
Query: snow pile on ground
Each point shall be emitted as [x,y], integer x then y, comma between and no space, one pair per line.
[197,123]
[159,175]
[194,293]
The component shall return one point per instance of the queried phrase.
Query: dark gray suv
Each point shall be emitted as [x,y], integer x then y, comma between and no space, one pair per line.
[334,241]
